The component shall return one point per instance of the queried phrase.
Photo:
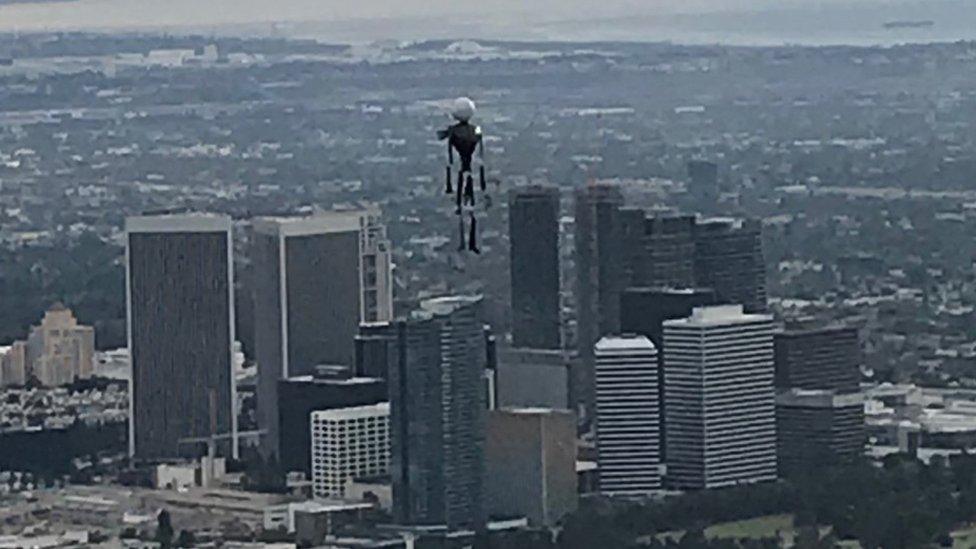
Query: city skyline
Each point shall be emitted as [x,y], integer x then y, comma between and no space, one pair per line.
[719,289]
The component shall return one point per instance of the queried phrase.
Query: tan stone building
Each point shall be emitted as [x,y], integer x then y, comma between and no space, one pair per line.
[56,352]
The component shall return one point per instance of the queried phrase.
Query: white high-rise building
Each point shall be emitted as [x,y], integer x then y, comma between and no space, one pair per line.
[719,401]
[349,443]
[628,416]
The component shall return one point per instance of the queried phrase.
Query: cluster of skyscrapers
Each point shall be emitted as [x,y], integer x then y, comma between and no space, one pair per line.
[684,378]
[344,391]
[315,279]
[672,364]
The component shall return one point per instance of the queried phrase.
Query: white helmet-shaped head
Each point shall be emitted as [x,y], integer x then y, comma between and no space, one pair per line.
[463,109]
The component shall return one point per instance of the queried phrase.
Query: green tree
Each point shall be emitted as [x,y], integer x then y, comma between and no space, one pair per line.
[185,539]
[164,529]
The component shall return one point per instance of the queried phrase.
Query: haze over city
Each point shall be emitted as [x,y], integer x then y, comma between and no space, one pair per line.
[747,22]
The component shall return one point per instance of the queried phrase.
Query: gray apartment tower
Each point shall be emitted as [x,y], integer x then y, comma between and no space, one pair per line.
[180,318]
[720,423]
[533,221]
[438,414]
[316,279]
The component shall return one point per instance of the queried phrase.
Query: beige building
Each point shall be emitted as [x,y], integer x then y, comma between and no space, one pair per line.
[13,364]
[56,352]
[530,460]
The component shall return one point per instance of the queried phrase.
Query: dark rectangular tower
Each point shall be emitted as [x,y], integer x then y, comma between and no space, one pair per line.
[180,313]
[533,221]
[825,359]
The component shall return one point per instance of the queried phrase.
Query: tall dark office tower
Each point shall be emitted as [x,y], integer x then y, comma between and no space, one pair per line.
[644,310]
[330,388]
[600,273]
[437,415]
[180,313]
[729,259]
[315,280]
[819,359]
[533,222]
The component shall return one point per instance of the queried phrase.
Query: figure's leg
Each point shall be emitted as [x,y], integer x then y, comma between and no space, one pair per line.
[460,191]
[473,238]
[469,191]
[448,189]
[481,174]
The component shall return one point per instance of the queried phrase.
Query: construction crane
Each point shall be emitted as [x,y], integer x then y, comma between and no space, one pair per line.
[214,437]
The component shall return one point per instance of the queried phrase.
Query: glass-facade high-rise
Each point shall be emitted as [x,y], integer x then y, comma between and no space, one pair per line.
[437,415]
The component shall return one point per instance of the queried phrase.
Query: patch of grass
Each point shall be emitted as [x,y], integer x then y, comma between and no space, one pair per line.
[757,528]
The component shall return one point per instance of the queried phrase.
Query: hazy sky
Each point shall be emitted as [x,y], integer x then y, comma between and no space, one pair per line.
[732,21]
[114,13]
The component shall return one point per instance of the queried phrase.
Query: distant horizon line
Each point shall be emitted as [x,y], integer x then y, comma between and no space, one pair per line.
[211,31]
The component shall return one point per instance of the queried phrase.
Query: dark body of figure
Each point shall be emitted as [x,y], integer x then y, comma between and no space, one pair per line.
[464,138]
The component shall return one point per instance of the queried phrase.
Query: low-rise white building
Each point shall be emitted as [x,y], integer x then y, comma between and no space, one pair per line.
[349,443]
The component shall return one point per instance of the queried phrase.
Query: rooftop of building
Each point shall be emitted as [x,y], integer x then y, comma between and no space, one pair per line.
[178,223]
[669,290]
[718,315]
[534,191]
[807,398]
[332,381]
[625,342]
[444,305]
[355,412]
[317,223]
[328,506]
[533,411]
[807,328]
